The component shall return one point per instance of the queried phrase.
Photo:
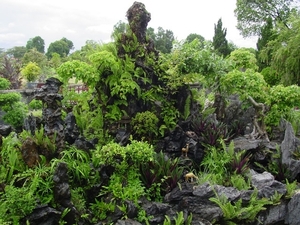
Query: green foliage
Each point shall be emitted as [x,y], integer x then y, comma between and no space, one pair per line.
[79,70]
[78,162]
[294,118]
[11,158]
[179,220]
[264,53]
[251,15]
[88,114]
[160,175]
[15,203]
[271,76]
[282,100]
[220,42]
[61,47]
[163,39]
[290,188]
[189,61]
[125,186]
[239,182]
[194,36]
[101,209]
[239,212]
[35,56]
[132,154]
[285,53]
[31,71]
[243,59]
[7,100]
[15,116]
[248,83]
[79,200]
[16,52]
[4,83]
[170,116]
[35,104]
[216,162]
[145,125]
[37,42]
[44,142]
[224,166]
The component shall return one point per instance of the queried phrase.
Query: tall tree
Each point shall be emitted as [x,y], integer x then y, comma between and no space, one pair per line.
[119,28]
[33,55]
[220,42]
[163,39]
[17,52]
[37,42]
[194,36]
[266,35]
[61,47]
[285,57]
[252,14]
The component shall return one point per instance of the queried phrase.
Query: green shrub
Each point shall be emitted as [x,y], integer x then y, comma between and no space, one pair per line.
[35,104]
[31,71]
[270,76]
[145,125]
[4,83]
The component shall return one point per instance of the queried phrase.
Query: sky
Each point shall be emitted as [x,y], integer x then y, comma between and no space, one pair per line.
[80,21]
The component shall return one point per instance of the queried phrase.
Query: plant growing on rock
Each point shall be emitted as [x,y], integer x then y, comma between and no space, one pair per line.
[237,212]
[10,103]
[11,158]
[210,131]
[223,165]
[161,175]
[145,125]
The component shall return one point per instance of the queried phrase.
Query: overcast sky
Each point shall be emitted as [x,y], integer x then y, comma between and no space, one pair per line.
[84,20]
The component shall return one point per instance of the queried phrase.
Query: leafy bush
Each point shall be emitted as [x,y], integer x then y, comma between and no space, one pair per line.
[10,103]
[220,164]
[4,83]
[16,115]
[270,76]
[31,71]
[281,101]
[35,104]
[243,59]
[145,125]
[121,157]
[248,83]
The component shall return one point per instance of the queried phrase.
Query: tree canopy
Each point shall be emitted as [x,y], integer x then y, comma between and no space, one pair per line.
[285,57]
[17,52]
[252,14]
[37,42]
[61,47]
[163,39]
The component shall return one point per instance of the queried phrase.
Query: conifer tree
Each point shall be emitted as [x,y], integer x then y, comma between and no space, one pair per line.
[220,42]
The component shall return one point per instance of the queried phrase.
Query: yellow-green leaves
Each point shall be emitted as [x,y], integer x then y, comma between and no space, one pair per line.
[31,71]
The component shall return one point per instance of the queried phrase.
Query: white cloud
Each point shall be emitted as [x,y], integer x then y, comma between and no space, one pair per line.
[105,28]
[80,21]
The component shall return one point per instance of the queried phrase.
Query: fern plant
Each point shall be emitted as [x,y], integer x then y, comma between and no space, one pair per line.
[237,211]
